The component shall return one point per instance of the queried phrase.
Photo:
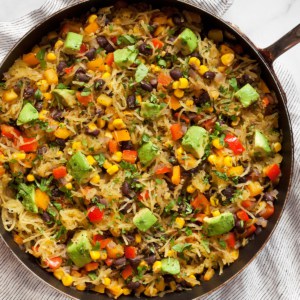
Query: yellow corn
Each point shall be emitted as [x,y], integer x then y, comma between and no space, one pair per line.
[126,291]
[277,147]
[106,281]
[216,143]
[91,160]
[160,285]
[119,124]
[254,188]
[18,156]
[51,57]
[58,273]
[103,255]
[176,175]
[171,253]
[236,122]
[69,186]
[117,156]
[112,170]
[189,103]
[100,288]
[106,75]
[178,93]
[175,85]
[150,291]
[95,179]
[235,254]
[101,123]
[143,264]
[156,268]
[92,126]
[235,171]
[95,255]
[209,274]
[51,76]
[190,189]
[110,126]
[179,222]
[203,69]
[58,44]
[139,99]
[214,94]
[30,177]
[183,83]
[43,85]
[195,62]
[81,287]
[214,201]
[47,96]
[173,285]
[159,30]
[76,146]
[9,96]
[215,213]
[212,159]
[228,161]
[62,133]
[221,69]
[104,100]
[193,277]
[227,59]
[43,114]
[138,238]
[106,164]
[67,280]
[108,134]
[92,18]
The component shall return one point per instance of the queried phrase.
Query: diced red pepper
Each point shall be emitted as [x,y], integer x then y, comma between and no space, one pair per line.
[250,230]
[157,43]
[273,172]
[109,58]
[209,125]
[84,100]
[113,146]
[230,239]
[54,263]
[29,145]
[182,117]
[130,252]
[68,70]
[234,144]
[59,172]
[9,131]
[164,79]
[143,196]
[267,212]
[83,48]
[95,214]
[242,215]
[200,202]
[130,156]
[127,272]
[176,132]
[92,266]
[114,39]
[163,170]
[248,204]
[109,261]
[97,238]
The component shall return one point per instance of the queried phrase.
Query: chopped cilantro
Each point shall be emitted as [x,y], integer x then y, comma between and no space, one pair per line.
[100,158]
[181,247]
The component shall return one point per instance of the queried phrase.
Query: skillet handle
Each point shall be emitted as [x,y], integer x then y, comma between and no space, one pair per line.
[283,44]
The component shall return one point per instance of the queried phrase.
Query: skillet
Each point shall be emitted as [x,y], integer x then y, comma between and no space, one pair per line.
[265,57]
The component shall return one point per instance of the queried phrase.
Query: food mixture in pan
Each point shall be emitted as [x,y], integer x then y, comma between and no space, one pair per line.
[139,151]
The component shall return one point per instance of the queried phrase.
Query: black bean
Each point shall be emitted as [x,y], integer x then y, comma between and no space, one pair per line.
[17,88]
[135,261]
[239,226]
[92,132]
[56,114]
[119,262]
[177,19]
[39,105]
[126,145]
[61,66]
[125,189]
[202,99]
[80,70]
[60,142]
[131,102]
[28,92]
[103,201]
[145,49]
[146,86]
[176,74]
[154,82]
[107,20]
[82,77]
[168,278]
[126,208]
[242,179]
[228,192]
[42,150]
[102,41]
[196,54]
[209,75]
[133,285]
[91,54]
[89,286]
[258,230]
[109,48]
[46,217]
[244,80]
[98,84]
[55,192]
[130,238]
[150,260]
[268,197]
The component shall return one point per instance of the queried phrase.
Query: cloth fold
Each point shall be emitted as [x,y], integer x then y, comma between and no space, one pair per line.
[274,274]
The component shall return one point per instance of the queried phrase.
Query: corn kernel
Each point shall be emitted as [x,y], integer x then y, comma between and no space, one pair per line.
[228,161]
[108,134]
[254,188]
[59,153]
[43,114]
[179,93]
[189,103]
[47,96]
[143,264]
[101,123]
[81,287]
[138,238]
[106,281]
[112,170]
[126,291]
[92,18]
[92,126]
[179,222]
[95,255]
[58,273]
[51,76]
[236,122]
[139,99]
[214,94]
[91,160]
[9,96]
[221,69]
[69,186]
[175,85]
[190,189]
[183,83]
[195,62]
[107,164]
[203,69]
[215,213]
[62,133]
[171,253]
[111,126]
[209,274]
[235,254]
[51,57]
[160,285]
[235,171]
[173,285]
[159,30]
[117,156]
[76,146]
[212,159]
[95,179]
[227,59]
[216,143]
[214,201]
[30,177]
[106,75]
[119,124]
[103,255]
[18,156]
[104,100]
[193,277]
[277,147]
[156,268]
[67,280]
[58,44]
[43,85]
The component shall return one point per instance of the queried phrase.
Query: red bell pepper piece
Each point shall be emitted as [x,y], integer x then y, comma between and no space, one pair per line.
[68,70]
[92,266]
[104,243]
[163,170]
[83,48]
[273,172]
[267,212]
[59,172]
[54,263]
[109,58]
[242,215]
[157,43]
[176,132]
[95,214]
[9,131]
[114,39]
[130,156]
[249,231]
[200,202]
[143,196]
[84,100]
[182,117]
[164,79]
[127,272]
[130,252]
[109,261]
[234,144]
[209,125]
[29,145]
[230,239]
[248,204]
[113,146]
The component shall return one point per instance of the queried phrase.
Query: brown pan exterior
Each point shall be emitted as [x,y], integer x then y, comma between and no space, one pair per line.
[264,57]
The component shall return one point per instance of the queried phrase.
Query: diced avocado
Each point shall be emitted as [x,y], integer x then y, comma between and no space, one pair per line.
[126,56]
[27,114]
[195,140]
[79,249]
[261,144]
[67,96]
[147,153]
[187,41]
[150,110]
[72,43]
[27,192]
[170,265]
[144,219]
[218,225]
[78,166]
[247,95]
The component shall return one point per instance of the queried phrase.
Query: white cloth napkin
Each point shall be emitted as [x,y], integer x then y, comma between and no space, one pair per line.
[274,274]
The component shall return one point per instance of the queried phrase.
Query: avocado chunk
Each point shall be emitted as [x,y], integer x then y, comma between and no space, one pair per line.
[78,166]
[218,225]
[147,153]
[261,144]
[170,265]
[79,249]
[247,95]
[187,41]
[150,110]
[126,56]
[72,43]
[195,140]
[27,192]
[27,114]
[67,96]
[144,219]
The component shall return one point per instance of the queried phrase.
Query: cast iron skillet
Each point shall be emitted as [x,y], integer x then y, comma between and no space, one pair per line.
[265,57]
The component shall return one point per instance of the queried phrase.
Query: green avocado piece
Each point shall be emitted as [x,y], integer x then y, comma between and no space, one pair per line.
[72,43]
[195,140]
[144,219]
[79,249]
[126,56]
[187,41]
[170,265]
[27,114]
[150,110]
[261,144]
[27,192]
[67,96]
[247,95]
[218,225]
[147,152]
[78,166]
